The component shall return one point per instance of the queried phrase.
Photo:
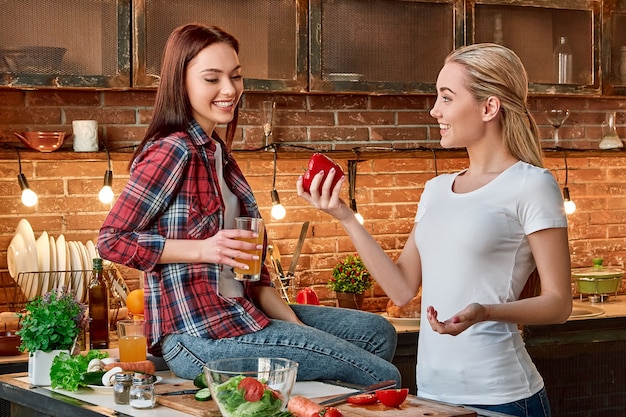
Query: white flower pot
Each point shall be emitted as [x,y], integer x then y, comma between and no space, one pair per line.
[39,364]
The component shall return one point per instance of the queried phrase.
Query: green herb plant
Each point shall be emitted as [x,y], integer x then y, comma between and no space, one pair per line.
[350,275]
[52,321]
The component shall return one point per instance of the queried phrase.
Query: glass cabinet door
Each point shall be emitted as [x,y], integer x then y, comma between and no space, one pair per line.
[271,33]
[614,45]
[534,30]
[65,43]
[381,45]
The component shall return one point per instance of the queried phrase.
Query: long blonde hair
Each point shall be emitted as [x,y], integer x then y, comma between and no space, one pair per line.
[493,70]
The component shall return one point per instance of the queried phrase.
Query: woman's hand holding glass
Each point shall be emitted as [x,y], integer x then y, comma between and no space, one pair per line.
[227,247]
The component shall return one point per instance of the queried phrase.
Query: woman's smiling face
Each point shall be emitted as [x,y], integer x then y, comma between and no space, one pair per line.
[214,85]
[459,115]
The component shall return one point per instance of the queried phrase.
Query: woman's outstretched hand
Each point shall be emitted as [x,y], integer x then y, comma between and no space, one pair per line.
[460,322]
[328,200]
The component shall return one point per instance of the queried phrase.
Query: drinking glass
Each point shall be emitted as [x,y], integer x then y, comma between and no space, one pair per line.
[132,340]
[556,117]
[254,272]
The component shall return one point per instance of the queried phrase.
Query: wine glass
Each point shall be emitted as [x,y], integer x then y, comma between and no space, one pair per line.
[267,120]
[556,117]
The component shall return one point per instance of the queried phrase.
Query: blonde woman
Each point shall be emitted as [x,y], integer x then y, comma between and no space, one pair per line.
[478,235]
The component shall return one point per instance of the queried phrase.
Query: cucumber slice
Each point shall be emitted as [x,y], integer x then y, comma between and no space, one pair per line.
[200,381]
[203,394]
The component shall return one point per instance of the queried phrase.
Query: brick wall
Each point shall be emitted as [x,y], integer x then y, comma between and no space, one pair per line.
[388,183]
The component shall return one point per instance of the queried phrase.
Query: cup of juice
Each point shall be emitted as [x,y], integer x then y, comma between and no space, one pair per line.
[132,340]
[254,272]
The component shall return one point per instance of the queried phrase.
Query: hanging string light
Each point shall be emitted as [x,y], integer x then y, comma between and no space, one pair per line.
[352,168]
[570,206]
[278,210]
[106,192]
[29,197]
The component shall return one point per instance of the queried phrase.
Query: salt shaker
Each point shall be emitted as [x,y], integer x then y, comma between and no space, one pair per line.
[142,391]
[121,388]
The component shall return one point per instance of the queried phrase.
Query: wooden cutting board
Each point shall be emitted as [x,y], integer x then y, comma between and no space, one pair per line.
[412,407]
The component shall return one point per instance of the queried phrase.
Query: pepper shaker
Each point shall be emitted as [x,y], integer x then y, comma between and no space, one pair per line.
[121,388]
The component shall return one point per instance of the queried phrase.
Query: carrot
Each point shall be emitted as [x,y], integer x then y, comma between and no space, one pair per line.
[301,406]
[146,367]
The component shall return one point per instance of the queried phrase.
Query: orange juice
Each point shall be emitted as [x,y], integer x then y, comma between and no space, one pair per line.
[132,348]
[253,264]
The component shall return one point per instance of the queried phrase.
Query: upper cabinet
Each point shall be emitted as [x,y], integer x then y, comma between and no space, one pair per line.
[558,41]
[381,45]
[65,43]
[353,46]
[271,33]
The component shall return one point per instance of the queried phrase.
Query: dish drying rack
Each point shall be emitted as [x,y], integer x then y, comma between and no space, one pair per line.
[16,292]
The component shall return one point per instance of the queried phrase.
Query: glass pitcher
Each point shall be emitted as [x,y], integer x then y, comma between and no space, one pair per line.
[610,140]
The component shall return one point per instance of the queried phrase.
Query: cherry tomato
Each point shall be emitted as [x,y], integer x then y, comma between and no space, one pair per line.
[362,399]
[252,389]
[392,397]
[330,412]
[320,162]
[307,296]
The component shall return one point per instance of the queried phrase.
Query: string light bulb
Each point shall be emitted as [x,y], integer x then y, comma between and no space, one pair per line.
[568,204]
[106,192]
[278,210]
[352,168]
[29,197]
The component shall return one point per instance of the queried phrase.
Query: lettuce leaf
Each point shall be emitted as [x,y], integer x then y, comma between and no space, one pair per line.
[66,369]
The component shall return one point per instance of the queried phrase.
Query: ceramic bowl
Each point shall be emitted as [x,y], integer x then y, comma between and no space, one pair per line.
[276,376]
[42,141]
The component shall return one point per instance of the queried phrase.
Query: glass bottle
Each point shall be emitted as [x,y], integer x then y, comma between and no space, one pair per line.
[142,391]
[121,388]
[610,139]
[98,308]
[563,58]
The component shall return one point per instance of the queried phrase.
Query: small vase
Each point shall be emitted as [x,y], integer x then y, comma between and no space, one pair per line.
[39,364]
[350,300]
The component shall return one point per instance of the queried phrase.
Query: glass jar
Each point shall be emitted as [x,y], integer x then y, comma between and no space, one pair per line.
[121,388]
[142,392]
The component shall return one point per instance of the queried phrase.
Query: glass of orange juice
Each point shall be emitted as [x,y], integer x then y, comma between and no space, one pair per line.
[132,340]
[254,272]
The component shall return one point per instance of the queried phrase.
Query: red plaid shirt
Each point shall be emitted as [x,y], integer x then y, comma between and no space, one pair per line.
[173,193]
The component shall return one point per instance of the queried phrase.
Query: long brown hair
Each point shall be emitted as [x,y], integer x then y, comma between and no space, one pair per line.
[494,70]
[172,109]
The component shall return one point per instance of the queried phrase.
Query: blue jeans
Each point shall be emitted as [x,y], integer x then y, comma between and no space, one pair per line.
[533,406]
[336,344]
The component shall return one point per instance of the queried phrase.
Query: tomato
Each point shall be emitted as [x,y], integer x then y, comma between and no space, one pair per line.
[362,399]
[330,412]
[392,397]
[252,389]
[307,296]
[319,162]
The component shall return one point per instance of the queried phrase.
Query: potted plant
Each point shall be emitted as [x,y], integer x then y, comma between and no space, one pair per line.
[50,324]
[350,279]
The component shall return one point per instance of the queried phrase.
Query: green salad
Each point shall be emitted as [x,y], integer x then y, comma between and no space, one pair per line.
[247,397]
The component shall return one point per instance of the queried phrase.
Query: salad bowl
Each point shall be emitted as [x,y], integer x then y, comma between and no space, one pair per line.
[251,386]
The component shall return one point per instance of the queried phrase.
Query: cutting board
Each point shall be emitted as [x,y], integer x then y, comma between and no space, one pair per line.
[412,407]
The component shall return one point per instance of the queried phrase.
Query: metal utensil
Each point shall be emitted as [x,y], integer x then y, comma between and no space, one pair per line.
[367,390]
[181,392]
[296,254]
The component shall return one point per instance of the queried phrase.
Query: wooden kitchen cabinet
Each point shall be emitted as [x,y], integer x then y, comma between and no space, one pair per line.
[532,28]
[614,45]
[381,46]
[272,36]
[65,43]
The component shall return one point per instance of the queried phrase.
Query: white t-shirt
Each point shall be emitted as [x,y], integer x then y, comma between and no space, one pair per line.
[473,248]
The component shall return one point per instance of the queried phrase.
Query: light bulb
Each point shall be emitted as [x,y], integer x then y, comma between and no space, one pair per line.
[359,218]
[278,210]
[106,194]
[29,197]
[568,204]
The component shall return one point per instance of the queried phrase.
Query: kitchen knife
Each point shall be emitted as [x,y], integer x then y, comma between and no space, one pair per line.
[296,254]
[367,390]
[181,392]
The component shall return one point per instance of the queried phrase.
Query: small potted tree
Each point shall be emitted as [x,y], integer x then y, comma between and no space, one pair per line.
[350,279]
[50,324]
